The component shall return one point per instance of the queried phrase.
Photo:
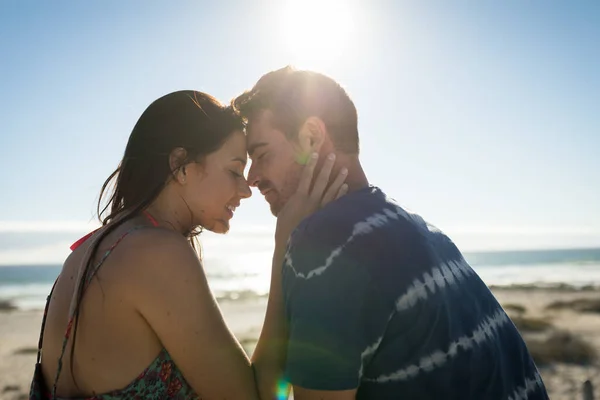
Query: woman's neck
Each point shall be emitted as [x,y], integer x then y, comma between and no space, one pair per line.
[170,211]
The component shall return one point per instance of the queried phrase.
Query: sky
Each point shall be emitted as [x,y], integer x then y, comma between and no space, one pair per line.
[480,116]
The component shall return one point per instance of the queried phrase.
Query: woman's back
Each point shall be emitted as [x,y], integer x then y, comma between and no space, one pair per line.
[116,350]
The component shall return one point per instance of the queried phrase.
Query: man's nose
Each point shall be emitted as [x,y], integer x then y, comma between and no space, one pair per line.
[253,176]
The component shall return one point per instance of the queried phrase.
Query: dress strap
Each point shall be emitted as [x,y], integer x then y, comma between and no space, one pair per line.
[80,241]
[83,239]
[41,339]
[150,218]
[73,311]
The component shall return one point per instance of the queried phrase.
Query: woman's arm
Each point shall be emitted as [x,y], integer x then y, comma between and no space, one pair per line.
[270,353]
[170,291]
[269,356]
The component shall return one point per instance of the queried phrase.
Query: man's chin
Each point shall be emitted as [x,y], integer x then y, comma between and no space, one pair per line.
[276,202]
[275,209]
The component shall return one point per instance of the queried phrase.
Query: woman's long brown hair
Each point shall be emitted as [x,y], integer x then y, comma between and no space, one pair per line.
[186,119]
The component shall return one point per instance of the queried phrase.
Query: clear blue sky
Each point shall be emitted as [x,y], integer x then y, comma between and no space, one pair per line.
[482,116]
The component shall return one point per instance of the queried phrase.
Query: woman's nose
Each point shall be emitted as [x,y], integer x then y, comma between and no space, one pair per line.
[245,191]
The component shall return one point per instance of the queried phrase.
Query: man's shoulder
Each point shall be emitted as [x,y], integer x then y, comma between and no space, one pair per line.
[367,212]
[366,227]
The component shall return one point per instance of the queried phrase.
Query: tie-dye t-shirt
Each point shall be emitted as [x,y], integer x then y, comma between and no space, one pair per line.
[380,300]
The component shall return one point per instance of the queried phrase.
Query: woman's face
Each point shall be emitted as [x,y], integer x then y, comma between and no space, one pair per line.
[216,185]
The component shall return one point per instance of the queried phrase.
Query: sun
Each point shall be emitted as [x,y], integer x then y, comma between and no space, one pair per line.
[315,32]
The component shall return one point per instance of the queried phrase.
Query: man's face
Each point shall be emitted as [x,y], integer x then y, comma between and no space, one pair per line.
[275,170]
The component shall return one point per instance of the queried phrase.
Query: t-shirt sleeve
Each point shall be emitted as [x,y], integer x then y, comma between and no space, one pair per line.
[336,315]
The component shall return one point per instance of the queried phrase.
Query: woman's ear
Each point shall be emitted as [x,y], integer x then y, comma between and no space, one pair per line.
[311,136]
[177,160]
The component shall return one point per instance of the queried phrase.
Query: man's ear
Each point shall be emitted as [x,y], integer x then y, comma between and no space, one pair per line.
[311,136]
[177,160]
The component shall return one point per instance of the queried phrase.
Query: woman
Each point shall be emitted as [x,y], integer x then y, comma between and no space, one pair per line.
[131,314]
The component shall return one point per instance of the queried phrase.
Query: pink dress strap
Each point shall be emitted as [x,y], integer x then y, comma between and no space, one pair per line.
[150,218]
[79,242]
[83,239]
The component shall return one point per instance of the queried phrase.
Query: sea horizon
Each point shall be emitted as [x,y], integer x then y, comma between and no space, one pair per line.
[243,276]
[464,253]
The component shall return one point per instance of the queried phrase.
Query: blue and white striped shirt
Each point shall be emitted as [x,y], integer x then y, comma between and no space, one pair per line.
[380,300]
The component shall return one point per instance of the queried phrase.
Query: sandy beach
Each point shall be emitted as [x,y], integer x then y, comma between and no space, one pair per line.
[564,337]
[19,332]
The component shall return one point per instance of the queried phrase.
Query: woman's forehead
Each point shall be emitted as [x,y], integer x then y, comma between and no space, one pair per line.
[235,146]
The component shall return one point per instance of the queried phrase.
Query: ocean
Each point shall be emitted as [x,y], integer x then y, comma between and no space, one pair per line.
[236,276]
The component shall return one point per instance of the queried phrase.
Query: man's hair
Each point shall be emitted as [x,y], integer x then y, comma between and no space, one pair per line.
[294,95]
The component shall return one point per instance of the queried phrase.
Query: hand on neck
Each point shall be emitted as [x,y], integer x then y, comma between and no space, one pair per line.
[356,178]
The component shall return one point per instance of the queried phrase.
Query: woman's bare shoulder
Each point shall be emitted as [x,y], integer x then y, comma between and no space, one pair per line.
[156,256]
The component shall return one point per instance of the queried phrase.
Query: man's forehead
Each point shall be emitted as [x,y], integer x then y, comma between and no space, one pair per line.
[259,123]
[253,145]
[259,131]
[255,136]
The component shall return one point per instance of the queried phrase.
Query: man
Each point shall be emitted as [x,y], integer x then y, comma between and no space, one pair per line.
[379,304]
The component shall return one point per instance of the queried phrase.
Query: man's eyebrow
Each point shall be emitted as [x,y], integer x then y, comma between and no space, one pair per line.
[242,160]
[252,148]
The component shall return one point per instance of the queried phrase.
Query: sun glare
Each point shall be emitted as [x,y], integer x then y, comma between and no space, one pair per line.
[317,33]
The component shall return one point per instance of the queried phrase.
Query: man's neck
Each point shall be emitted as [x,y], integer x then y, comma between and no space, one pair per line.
[356,178]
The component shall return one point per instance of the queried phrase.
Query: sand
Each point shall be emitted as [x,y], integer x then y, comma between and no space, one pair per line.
[19,333]
[563,381]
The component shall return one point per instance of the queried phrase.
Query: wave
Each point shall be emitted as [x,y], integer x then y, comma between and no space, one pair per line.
[31,297]
[534,257]
[242,277]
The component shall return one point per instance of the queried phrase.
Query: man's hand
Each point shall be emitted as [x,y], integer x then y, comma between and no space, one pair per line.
[306,201]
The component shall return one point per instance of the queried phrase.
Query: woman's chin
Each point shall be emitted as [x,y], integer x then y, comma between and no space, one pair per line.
[220,226]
